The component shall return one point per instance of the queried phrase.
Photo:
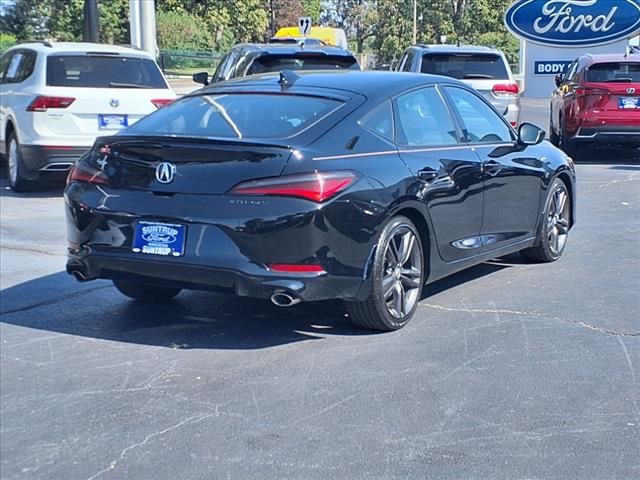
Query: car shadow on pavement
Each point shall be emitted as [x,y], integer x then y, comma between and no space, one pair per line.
[50,187]
[201,320]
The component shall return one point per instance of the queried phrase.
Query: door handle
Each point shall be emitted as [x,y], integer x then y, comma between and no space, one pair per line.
[426,174]
[492,167]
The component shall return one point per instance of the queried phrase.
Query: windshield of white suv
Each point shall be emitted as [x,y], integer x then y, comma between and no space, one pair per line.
[103,71]
[465,66]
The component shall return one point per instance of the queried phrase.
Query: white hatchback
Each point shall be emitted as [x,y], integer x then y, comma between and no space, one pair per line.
[58,97]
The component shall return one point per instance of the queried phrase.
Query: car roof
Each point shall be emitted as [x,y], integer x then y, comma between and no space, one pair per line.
[369,83]
[47,47]
[291,49]
[611,57]
[457,49]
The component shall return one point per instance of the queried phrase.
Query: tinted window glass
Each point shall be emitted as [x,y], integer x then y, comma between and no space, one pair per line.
[465,66]
[407,62]
[275,63]
[423,119]
[380,120]
[614,72]
[482,123]
[88,71]
[20,67]
[237,116]
[4,62]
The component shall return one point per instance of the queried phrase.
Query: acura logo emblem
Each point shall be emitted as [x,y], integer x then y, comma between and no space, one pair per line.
[631,90]
[165,172]
[114,102]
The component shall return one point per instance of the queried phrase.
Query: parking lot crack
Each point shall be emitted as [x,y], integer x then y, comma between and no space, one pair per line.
[32,250]
[52,301]
[187,421]
[579,323]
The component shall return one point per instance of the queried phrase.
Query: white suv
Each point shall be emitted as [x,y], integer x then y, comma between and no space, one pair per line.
[58,97]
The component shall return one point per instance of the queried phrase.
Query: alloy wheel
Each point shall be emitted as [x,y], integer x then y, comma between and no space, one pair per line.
[402,276]
[558,221]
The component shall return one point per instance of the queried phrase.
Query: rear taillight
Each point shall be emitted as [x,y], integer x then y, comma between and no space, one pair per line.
[317,187]
[161,102]
[83,172]
[42,103]
[506,89]
[295,268]
[584,91]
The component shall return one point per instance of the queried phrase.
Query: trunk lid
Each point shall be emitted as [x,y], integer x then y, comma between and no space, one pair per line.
[195,165]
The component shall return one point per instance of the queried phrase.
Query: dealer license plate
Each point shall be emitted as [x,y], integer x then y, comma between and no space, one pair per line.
[156,238]
[629,103]
[113,122]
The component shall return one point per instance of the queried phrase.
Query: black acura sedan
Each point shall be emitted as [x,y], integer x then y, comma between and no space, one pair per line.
[361,186]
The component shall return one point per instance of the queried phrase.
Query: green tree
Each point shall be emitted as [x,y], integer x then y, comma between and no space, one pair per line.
[313,9]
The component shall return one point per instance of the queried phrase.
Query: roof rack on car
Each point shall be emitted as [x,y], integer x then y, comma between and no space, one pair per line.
[46,43]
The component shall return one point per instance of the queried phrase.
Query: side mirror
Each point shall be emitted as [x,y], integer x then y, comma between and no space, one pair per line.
[201,77]
[529,134]
[559,79]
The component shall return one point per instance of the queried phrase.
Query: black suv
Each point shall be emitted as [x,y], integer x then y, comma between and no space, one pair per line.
[253,58]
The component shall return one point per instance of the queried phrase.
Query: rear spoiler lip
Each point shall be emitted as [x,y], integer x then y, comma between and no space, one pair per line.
[163,139]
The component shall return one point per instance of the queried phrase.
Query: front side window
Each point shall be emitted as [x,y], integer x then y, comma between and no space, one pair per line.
[241,116]
[481,123]
[103,71]
[422,119]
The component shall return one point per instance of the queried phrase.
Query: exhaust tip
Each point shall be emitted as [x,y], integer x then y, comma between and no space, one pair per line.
[79,276]
[284,300]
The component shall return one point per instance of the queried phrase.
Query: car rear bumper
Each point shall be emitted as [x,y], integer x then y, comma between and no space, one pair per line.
[609,135]
[43,158]
[224,248]
[88,265]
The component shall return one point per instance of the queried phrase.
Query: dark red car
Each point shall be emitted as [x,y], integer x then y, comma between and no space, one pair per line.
[597,102]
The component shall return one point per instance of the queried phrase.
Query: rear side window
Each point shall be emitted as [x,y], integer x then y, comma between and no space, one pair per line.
[423,120]
[465,66]
[102,71]
[245,116]
[275,63]
[20,67]
[614,72]
[380,120]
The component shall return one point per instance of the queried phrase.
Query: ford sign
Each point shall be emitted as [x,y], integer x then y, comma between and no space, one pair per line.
[574,23]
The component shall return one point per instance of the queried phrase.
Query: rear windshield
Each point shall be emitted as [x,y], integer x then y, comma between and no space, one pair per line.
[614,72]
[275,63]
[465,66]
[101,71]
[244,116]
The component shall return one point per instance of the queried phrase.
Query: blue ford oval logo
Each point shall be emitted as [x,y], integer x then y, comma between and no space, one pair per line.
[574,23]
[159,234]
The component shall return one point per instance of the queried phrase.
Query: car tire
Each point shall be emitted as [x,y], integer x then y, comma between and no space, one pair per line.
[553,136]
[397,279]
[15,167]
[554,231]
[567,145]
[146,293]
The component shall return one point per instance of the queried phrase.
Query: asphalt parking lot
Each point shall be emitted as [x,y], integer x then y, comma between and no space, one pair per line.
[508,371]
